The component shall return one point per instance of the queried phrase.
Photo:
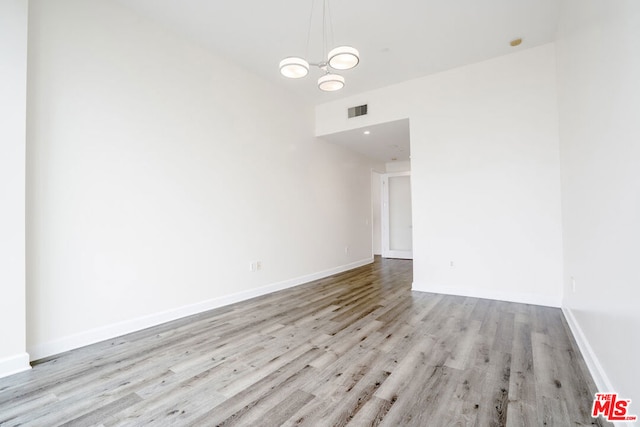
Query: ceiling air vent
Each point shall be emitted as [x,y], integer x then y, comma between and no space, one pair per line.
[360,110]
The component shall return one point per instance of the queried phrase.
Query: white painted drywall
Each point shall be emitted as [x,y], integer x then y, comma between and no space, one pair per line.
[599,107]
[404,166]
[13,95]
[485,174]
[158,172]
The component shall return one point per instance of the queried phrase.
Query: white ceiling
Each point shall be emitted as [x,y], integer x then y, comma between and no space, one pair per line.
[384,142]
[398,40]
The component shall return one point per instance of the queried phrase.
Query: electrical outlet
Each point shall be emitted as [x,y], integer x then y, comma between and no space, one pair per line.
[346,249]
[258,265]
[451,264]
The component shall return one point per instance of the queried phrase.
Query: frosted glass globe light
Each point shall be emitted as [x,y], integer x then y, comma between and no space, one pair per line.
[343,58]
[294,67]
[331,82]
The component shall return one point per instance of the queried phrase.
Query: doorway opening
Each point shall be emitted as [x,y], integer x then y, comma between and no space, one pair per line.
[396,216]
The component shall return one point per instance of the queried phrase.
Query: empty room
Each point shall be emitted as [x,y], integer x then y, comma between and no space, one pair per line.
[319,212]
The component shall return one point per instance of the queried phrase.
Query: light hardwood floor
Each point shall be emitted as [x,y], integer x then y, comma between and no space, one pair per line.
[359,348]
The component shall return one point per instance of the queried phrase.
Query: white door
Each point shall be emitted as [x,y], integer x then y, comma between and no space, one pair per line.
[397,229]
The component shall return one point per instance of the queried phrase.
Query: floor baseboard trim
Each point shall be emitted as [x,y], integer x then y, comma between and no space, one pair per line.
[14,364]
[593,364]
[107,332]
[523,298]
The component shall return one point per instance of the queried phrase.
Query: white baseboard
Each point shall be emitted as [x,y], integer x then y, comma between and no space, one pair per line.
[603,384]
[92,336]
[595,368]
[520,297]
[14,364]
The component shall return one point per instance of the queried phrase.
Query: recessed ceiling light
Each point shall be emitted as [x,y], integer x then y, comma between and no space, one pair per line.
[515,42]
[366,132]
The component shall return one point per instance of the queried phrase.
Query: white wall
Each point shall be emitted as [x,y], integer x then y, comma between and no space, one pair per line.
[485,174]
[13,93]
[599,106]
[157,172]
[403,166]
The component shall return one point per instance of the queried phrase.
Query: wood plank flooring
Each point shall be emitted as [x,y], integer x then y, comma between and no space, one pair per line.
[359,349]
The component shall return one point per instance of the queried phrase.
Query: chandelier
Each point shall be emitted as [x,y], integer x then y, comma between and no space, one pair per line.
[339,58]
